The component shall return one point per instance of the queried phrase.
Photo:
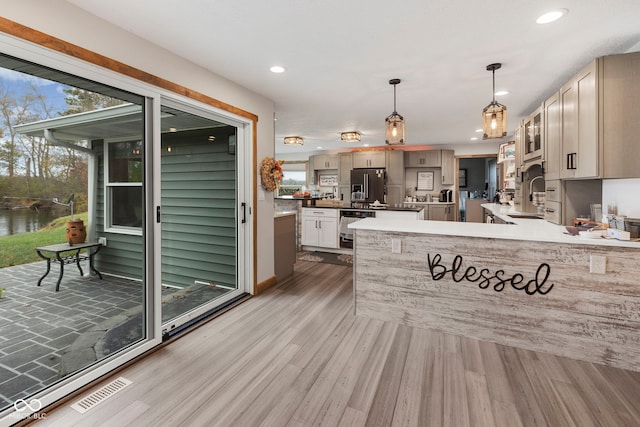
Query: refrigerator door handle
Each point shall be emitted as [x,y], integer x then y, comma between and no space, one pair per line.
[366,185]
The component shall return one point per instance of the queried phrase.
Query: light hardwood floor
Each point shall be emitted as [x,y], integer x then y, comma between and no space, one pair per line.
[297,356]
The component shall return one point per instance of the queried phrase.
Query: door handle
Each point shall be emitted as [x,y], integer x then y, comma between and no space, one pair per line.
[366,185]
[158,214]
[244,212]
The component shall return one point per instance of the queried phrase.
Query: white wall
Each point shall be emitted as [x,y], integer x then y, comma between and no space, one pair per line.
[71,24]
[625,192]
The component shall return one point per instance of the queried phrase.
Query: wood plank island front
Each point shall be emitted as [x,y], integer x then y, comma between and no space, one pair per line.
[526,285]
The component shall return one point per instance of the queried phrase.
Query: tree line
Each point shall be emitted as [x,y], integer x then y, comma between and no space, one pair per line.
[31,167]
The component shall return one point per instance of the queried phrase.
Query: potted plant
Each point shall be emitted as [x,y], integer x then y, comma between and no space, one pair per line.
[1,290]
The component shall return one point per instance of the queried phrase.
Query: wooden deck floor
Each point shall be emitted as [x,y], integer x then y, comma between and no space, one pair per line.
[297,356]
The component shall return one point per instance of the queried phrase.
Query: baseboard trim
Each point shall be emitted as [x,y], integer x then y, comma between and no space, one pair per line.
[265,284]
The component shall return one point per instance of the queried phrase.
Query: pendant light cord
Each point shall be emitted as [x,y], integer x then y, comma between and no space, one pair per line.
[493,72]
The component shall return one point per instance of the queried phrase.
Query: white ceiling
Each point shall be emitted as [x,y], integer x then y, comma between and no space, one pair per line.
[340,55]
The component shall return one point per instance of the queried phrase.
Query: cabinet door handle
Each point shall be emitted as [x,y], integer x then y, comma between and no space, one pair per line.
[319,224]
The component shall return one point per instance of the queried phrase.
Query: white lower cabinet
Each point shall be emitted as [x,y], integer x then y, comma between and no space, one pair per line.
[319,227]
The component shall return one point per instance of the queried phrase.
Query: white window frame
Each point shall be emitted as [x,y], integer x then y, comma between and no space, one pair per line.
[108,203]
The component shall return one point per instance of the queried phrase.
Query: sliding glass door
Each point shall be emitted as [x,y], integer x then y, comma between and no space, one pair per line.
[199,215]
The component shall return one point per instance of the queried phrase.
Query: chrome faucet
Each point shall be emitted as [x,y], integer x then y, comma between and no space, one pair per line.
[531,186]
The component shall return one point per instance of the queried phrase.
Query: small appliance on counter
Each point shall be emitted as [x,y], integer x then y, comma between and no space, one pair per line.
[446,196]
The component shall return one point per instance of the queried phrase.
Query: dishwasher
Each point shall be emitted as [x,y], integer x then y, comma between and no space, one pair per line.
[347,217]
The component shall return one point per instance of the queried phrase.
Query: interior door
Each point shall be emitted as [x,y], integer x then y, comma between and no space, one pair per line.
[199,214]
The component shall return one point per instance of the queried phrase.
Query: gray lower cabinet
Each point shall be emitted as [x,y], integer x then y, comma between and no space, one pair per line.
[442,212]
[284,245]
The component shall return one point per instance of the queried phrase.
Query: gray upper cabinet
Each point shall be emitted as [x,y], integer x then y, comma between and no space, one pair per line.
[395,176]
[552,129]
[533,135]
[325,161]
[448,168]
[425,159]
[580,125]
[619,107]
[369,159]
[600,119]
[344,168]
[395,167]
[311,171]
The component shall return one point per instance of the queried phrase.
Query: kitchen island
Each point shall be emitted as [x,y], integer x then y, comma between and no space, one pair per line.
[525,284]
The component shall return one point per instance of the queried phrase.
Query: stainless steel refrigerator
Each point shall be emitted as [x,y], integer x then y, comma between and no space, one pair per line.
[368,185]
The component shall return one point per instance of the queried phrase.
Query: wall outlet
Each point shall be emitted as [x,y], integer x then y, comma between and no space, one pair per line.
[598,264]
[102,241]
[396,246]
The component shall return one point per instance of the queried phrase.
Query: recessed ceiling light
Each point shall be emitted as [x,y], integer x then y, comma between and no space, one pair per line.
[475,138]
[277,69]
[365,145]
[502,92]
[478,130]
[318,148]
[554,15]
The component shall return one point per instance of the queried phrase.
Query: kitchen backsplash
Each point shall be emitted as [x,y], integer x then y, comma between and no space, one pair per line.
[624,192]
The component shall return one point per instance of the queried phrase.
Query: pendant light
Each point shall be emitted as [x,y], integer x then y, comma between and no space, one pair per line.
[394,124]
[494,115]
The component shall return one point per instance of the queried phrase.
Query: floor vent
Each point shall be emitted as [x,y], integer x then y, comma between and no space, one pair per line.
[100,395]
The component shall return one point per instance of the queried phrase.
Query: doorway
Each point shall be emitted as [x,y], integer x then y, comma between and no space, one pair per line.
[478,187]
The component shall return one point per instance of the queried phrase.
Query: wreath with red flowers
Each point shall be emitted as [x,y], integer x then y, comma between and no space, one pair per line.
[271,173]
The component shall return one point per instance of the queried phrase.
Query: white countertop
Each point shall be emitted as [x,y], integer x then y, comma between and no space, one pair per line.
[428,203]
[284,213]
[522,229]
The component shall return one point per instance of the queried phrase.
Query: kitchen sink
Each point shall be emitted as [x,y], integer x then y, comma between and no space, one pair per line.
[526,216]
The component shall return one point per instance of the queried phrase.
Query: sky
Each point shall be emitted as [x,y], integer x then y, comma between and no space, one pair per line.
[19,83]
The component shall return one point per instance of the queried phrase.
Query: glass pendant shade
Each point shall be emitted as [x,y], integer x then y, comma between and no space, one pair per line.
[494,121]
[494,115]
[394,124]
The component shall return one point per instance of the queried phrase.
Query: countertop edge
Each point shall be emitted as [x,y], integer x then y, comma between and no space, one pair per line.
[543,231]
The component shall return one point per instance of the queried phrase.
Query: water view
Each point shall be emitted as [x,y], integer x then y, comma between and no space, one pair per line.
[16,221]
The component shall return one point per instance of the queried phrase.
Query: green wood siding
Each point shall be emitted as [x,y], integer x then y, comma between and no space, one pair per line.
[123,255]
[198,209]
[198,193]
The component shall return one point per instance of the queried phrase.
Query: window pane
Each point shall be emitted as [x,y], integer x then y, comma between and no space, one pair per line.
[127,206]
[125,161]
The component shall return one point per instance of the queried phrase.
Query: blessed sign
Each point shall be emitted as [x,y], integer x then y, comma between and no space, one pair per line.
[485,278]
